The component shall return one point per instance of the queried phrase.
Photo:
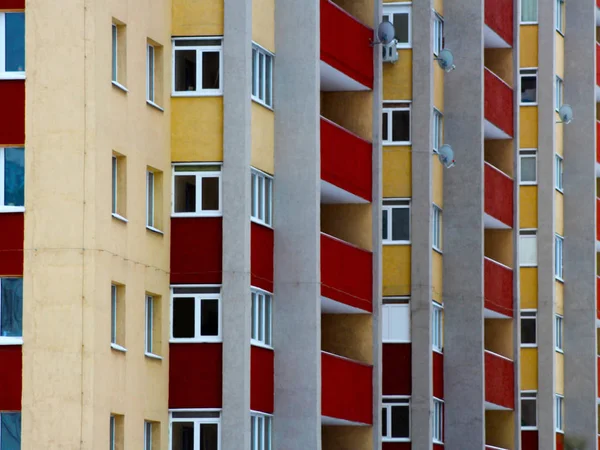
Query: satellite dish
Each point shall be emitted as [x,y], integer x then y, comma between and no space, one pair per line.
[566,114]
[446,60]
[385,33]
[446,156]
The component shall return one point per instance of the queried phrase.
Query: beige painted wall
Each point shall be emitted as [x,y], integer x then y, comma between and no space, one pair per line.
[500,154]
[348,335]
[351,110]
[343,438]
[351,223]
[498,246]
[499,337]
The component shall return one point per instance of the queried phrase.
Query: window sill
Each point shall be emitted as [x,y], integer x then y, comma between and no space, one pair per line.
[118,348]
[524,428]
[528,345]
[12,75]
[10,340]
[197,94]
[529,23]
[11,209]
[256,343]
[396,144]
[210,214]
[435,441]
[559,279]
[528,183]
[528,265]
[395,439]
[154,105]
[394,341]
[396,242]
[120,218]
[558,350]
[559,190]
[260,222]
[120,86]
[436,350]
[154,230]
[437,250]
[562,33]
[529,104]
[261,103]
[153,356]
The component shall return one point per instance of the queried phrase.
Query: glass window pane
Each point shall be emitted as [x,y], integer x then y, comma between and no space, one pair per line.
[254,73]
[528,412]
[149,323]
[185,70]
[384,412]
[150,199]
[210,194]
[261,86]
[401,25]
[528,169]
[150,73]
[384,224]
[185,193]
[14,177]
[114,184]
[10,431]
[114,52]
[261,318]
[401,224]
[11,308]
[197,42]
[268,200]
[401,126]
[528,89]
[400,421]
[528,333]
[268,319]
[261,197]
[269,87]
[15,42]
[182,436]
[254,315]
[384,124]
[210,70]
[184,317]
[210,318]
[209,436]
[529,10]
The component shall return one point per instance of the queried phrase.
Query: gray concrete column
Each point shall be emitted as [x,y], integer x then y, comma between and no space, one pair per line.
[236,322]
[580,224]
[297,311]
[464,370]
[421,238]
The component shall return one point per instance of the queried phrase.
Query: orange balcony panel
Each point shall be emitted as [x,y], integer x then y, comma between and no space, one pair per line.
[499,108]
[346,160]
[499,381]
[346,389]
[498,198]
[346,273]
[498,281]
[346,44]
[499,17]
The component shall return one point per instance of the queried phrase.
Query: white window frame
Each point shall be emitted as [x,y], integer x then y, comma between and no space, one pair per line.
[150,198]
[529,314]
[559,242]
[558,172]
[259,422]
[559,412]
[4,75]
[528,234]
[530,395]
[115,53]
[4,208]
[558,333]
[389,110]
[400,304]
[150,74]
[529,153]
[259,82]
[263,310]
[536,16]
[199,175]
[147,435]
[199,92]
[390,10]
[389,401]
[197,421]
[149,325]
[259,207]
[523,73]
[559,89]
[198,297]
[436,223]
[114,301]
[438,33]
[438,129]
[112,432]
[437,428]
[437,327]
[560,19]
[388,210]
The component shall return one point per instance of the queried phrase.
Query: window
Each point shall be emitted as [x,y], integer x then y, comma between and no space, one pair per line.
[395,419]
[260,428]
[116,439]
[149,199]
[12,45]
[150,73]
[438,129]
[149,324]
[10,431]
[119,183]
[12,179]
[113,430]
[119,55]
[153,199]
[262,317]
[11,309]
[195,430]
[528,248]
[395,319]
[117,317]
[196,190]
[558,256]
[399,16]
[197,65]
[529,11]
[438,421]
[262,76]
[558,172]
[147,435]
[528,328]
[396,123]
[528,163]
[560,16]
[560,412]
[396,221]
[196,314]
[115,48]
[438,34]
[529,78]
[528,410]
[559,87]
[262,197]
[437,227]
[437,327]
[558,333]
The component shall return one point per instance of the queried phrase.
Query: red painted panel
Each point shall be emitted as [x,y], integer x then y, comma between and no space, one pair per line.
[499,17]
[345,43]
[195,375]
[341,377]
[598,299]
[499,380]
[598,372]
[262,366]
[12,131]
[598,64]
[529,440]
[11,376]
[560,438]
[498,102]
[196,250]
[346,273]
[12,4]
[346,159]
[438,375]
[598,141]
[261,256]
[498,281]
[11,244]
[597,219]
[397,366]
[438,446]
[498,195]
[395,446]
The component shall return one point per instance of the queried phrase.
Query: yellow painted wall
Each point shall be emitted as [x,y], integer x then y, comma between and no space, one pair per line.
[397,78]
[528,42]
[362,10]
[438,88]
[263,23]
[397,171]
[499,337]
[348,335]
[352,223]
[559,208]
[263,138]
[499,428]
[197,18]
[529,287]
[197,129]
[500,154]
[560,55]
[499,246]
[560,133]
[528,130]
[438,181]
[528,206]
[560,297]
[351,110]
[396,269]
[560,373]
[437,273]
[343,438]
[529,369]
[500,61]
[438,5]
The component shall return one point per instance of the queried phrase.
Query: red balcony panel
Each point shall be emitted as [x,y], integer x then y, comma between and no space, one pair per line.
[196,250]
[529,440]
[11,376]
[346,389]
[346,159]
[345,43]
[499,380]
[346,273]
[12,4]
[395,446]
[498,195]
[195,375]
[598,300]
[598,141]
[598,64]
[498,281]
[12,116]
[261,256]
[438,446]
[262,366]
[438,375]
[499,108]
[499,17]
[597,219]
[11,244]
[397,369]
[598,371]
[560,441]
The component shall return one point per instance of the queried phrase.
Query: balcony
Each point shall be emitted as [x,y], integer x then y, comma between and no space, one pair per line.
[597,69]
[499,382]
[346,277]
[597,224]
[346,52]
[598,372]
[491,447]
[346,391]
[598,303]
[498,31]
[498,288]
[597,148]
[346,161]
[499,109]
[499,210]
